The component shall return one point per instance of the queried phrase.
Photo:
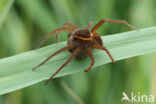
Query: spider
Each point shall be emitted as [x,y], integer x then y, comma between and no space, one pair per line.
[80,42]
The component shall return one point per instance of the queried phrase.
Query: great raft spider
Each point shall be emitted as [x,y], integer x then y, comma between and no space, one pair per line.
[81,42]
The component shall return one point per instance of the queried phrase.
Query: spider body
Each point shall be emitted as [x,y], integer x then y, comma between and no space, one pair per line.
[81,42]
[81,38]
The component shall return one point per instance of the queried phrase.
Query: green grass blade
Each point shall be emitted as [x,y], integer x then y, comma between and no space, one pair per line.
[16,73]
[5,6]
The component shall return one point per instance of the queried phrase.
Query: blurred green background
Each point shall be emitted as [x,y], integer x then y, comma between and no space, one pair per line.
[23,23]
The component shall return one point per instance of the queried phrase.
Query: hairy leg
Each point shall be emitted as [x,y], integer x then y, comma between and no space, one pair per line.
[57,39]
[71,25]
[54,31]
[105,49]
[89,25]
[66,24]
[92,59]
[62,49]
[110,21]
[70,58]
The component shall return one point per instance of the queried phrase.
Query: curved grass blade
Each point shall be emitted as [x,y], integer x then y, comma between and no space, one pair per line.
[16,71]
[4,10]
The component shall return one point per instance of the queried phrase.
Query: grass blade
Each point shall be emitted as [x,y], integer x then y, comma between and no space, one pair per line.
[4,9]
[16,73]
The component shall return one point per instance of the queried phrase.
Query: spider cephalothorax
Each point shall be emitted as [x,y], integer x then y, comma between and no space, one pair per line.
[81,42]
[82,39]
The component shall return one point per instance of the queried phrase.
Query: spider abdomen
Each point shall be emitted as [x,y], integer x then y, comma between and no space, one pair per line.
[83,52]
[82,44]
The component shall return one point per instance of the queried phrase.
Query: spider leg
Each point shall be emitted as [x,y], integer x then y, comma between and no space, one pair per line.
[57,39]
[89,25]
[71,25]
[111,21]
[92,59]
[66,24]
[54,31]
[62,49]
[70,58]
[105,49]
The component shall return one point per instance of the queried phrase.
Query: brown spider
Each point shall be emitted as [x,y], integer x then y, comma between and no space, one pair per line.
[81,42]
